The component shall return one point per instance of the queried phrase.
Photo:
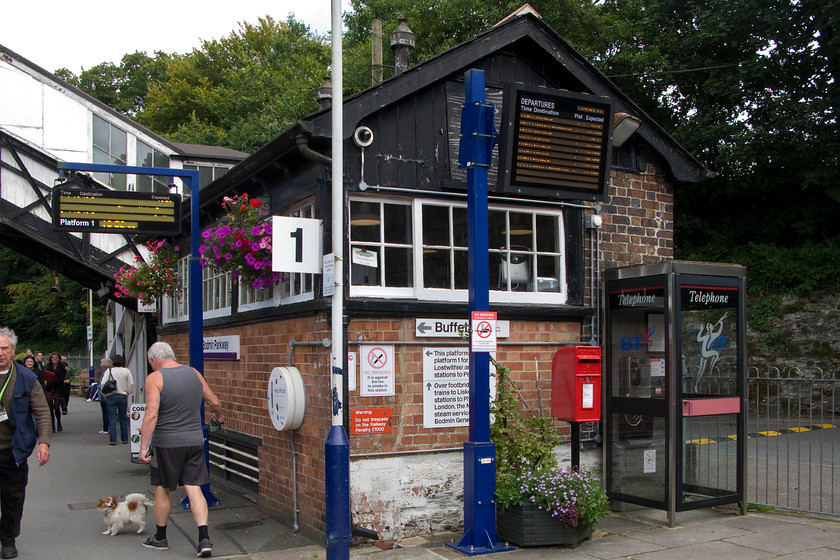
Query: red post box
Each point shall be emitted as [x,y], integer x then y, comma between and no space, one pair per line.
[576,384]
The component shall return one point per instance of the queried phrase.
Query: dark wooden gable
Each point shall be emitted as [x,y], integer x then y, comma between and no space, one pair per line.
[415,117]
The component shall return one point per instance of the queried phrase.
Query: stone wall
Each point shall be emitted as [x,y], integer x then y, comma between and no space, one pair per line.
[804,334]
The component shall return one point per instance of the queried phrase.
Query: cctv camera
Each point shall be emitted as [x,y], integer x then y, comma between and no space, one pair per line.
[363,136]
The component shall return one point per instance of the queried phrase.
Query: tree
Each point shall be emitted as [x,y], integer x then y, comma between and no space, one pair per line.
[242,90]
[122,87]
[42,319]
[747,86]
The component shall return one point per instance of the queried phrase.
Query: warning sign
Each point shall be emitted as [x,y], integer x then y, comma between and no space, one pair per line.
[377,370]
[370,421]
[483,337]
[446,387]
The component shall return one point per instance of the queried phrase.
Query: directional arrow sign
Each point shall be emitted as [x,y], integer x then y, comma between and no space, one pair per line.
[453,328]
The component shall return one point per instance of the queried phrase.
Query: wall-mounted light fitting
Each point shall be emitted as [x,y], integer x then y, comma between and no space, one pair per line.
[624,127]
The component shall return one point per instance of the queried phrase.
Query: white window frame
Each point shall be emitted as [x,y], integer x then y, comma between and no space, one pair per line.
[216,293]
[461,295]
[176,308]
[384,291]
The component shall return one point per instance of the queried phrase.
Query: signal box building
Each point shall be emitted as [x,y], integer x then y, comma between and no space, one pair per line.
[405,276]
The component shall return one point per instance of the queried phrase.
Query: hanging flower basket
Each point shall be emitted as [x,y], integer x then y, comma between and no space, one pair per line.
[241,244]
[149,281]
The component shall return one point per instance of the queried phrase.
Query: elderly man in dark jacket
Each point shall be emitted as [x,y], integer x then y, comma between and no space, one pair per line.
[24,422]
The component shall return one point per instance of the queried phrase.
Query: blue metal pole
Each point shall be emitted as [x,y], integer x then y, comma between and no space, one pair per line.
[196,309]
[196,326]
[475,153]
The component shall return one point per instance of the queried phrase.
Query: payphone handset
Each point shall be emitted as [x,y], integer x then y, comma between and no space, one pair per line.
[637,378]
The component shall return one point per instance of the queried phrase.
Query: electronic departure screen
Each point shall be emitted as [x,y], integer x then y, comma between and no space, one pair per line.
[106,211]
[555,144]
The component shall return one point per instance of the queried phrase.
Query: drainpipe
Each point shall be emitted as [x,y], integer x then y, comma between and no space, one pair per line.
[309,153]
[292,343]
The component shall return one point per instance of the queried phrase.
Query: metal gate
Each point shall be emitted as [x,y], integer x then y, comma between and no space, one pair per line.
[793,450]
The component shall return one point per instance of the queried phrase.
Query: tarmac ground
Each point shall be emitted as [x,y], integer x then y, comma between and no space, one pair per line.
[61,521]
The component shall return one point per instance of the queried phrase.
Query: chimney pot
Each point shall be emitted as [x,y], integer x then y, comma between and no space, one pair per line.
[324,94]
[402,43]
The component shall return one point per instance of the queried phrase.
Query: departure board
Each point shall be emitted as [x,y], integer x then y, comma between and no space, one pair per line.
[554,143]
[106,211]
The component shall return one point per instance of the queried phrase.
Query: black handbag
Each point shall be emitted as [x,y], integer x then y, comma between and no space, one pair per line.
[109,386]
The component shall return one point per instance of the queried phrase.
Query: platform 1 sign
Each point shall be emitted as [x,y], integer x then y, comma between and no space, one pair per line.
[106,211]
[446,387]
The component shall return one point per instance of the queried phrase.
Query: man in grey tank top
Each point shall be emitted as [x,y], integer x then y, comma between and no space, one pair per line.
[176,452]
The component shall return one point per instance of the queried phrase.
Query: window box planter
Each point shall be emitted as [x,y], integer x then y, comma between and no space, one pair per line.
[527,525]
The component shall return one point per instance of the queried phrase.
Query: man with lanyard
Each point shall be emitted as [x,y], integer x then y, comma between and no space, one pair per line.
[24,419]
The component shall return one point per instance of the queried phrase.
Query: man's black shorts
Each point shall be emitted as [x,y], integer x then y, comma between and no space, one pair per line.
[173,466]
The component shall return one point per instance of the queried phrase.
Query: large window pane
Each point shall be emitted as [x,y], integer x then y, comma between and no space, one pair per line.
[399,267]
[435,231]
[397,223]
[101,134]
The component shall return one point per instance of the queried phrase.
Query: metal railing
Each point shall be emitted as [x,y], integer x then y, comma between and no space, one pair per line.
[793,450]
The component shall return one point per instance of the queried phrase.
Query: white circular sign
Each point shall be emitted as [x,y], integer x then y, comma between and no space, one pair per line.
[286,398]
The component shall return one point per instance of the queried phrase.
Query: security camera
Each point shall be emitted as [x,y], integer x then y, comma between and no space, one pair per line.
[363,136]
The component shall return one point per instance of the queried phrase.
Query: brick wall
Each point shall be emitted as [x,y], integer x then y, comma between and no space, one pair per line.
[638,219]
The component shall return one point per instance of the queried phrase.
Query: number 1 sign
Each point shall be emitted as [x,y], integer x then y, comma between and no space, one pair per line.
[297,244]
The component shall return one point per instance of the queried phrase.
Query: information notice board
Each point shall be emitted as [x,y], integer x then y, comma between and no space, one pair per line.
[555,143]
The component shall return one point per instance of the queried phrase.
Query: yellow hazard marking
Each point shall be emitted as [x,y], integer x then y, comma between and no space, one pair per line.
[702,441]
[800,429]
[735,437]
[826,426]
[770,433]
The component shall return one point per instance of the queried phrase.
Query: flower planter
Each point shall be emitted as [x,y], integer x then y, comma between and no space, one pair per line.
[526,525]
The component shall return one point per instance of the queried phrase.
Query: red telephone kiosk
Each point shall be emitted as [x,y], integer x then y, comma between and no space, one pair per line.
[576,389]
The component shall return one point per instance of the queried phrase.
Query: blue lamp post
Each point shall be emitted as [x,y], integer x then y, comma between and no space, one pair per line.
[478,135]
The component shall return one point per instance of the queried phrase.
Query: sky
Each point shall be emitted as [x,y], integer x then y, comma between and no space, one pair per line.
[79,35]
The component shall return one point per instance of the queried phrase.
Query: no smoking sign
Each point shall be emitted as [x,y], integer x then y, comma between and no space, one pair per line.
[483,338]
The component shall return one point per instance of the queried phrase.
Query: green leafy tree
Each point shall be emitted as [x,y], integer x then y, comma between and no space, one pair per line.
[122,87]
[44,320]
[242,90]
[747,86]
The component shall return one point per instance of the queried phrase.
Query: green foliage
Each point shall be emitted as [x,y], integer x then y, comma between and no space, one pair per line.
[524,440]
[41,319]
[526,467]
[242,90]
[122,87]
[439,25]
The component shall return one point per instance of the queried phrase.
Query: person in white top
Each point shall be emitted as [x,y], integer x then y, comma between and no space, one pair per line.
[116,402]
